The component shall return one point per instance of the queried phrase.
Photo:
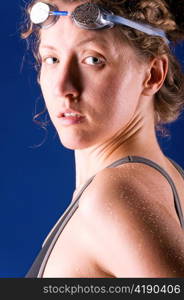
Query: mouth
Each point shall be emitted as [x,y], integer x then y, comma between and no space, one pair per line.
[71,114]
[70,118]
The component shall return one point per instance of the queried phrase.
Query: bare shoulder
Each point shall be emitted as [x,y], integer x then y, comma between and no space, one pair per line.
[126,184]
[133,234]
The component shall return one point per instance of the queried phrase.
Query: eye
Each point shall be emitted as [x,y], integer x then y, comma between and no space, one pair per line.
[50,60]
[93,60]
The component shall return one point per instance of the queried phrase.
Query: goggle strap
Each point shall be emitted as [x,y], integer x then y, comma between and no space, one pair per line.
[135,25]
[59,13]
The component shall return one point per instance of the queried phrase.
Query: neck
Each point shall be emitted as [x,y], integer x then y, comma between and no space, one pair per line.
[138,139]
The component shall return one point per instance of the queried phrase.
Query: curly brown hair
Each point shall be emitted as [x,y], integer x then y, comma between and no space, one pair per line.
[164,14]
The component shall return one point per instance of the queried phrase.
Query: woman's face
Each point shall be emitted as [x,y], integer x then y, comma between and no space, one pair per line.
[103,72]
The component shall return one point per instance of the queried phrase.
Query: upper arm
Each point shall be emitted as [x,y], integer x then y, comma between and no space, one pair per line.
[133,235]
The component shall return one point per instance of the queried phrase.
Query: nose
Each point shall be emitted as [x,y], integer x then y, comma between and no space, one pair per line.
[67,83]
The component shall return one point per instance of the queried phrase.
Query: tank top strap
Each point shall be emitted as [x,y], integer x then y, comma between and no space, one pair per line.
[180,170]
[37,268]
[129,159]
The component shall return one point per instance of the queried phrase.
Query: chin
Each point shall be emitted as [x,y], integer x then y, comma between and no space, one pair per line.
[73,144]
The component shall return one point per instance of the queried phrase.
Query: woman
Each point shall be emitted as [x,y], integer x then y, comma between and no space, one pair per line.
[109,84]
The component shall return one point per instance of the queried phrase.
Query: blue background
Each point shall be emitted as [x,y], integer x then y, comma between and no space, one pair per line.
[36,182]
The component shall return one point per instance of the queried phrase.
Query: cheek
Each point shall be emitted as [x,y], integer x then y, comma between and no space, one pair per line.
[103,87]
[108,92]
[46,89]
[119,97]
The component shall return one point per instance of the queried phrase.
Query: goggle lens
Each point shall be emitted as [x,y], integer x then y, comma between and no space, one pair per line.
[41,14]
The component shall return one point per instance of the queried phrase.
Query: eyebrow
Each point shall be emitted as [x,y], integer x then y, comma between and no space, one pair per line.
[92,40]
[47,47]
[85,41]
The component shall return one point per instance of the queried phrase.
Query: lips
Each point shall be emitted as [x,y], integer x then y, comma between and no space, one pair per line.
[69,111]
[67,120]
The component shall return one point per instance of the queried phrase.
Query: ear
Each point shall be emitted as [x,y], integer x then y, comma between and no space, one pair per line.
[155,75]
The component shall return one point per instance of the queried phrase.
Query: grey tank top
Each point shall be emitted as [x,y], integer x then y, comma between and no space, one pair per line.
[37,269]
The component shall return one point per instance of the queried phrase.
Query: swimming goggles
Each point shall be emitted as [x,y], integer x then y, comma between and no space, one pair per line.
[88,16]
